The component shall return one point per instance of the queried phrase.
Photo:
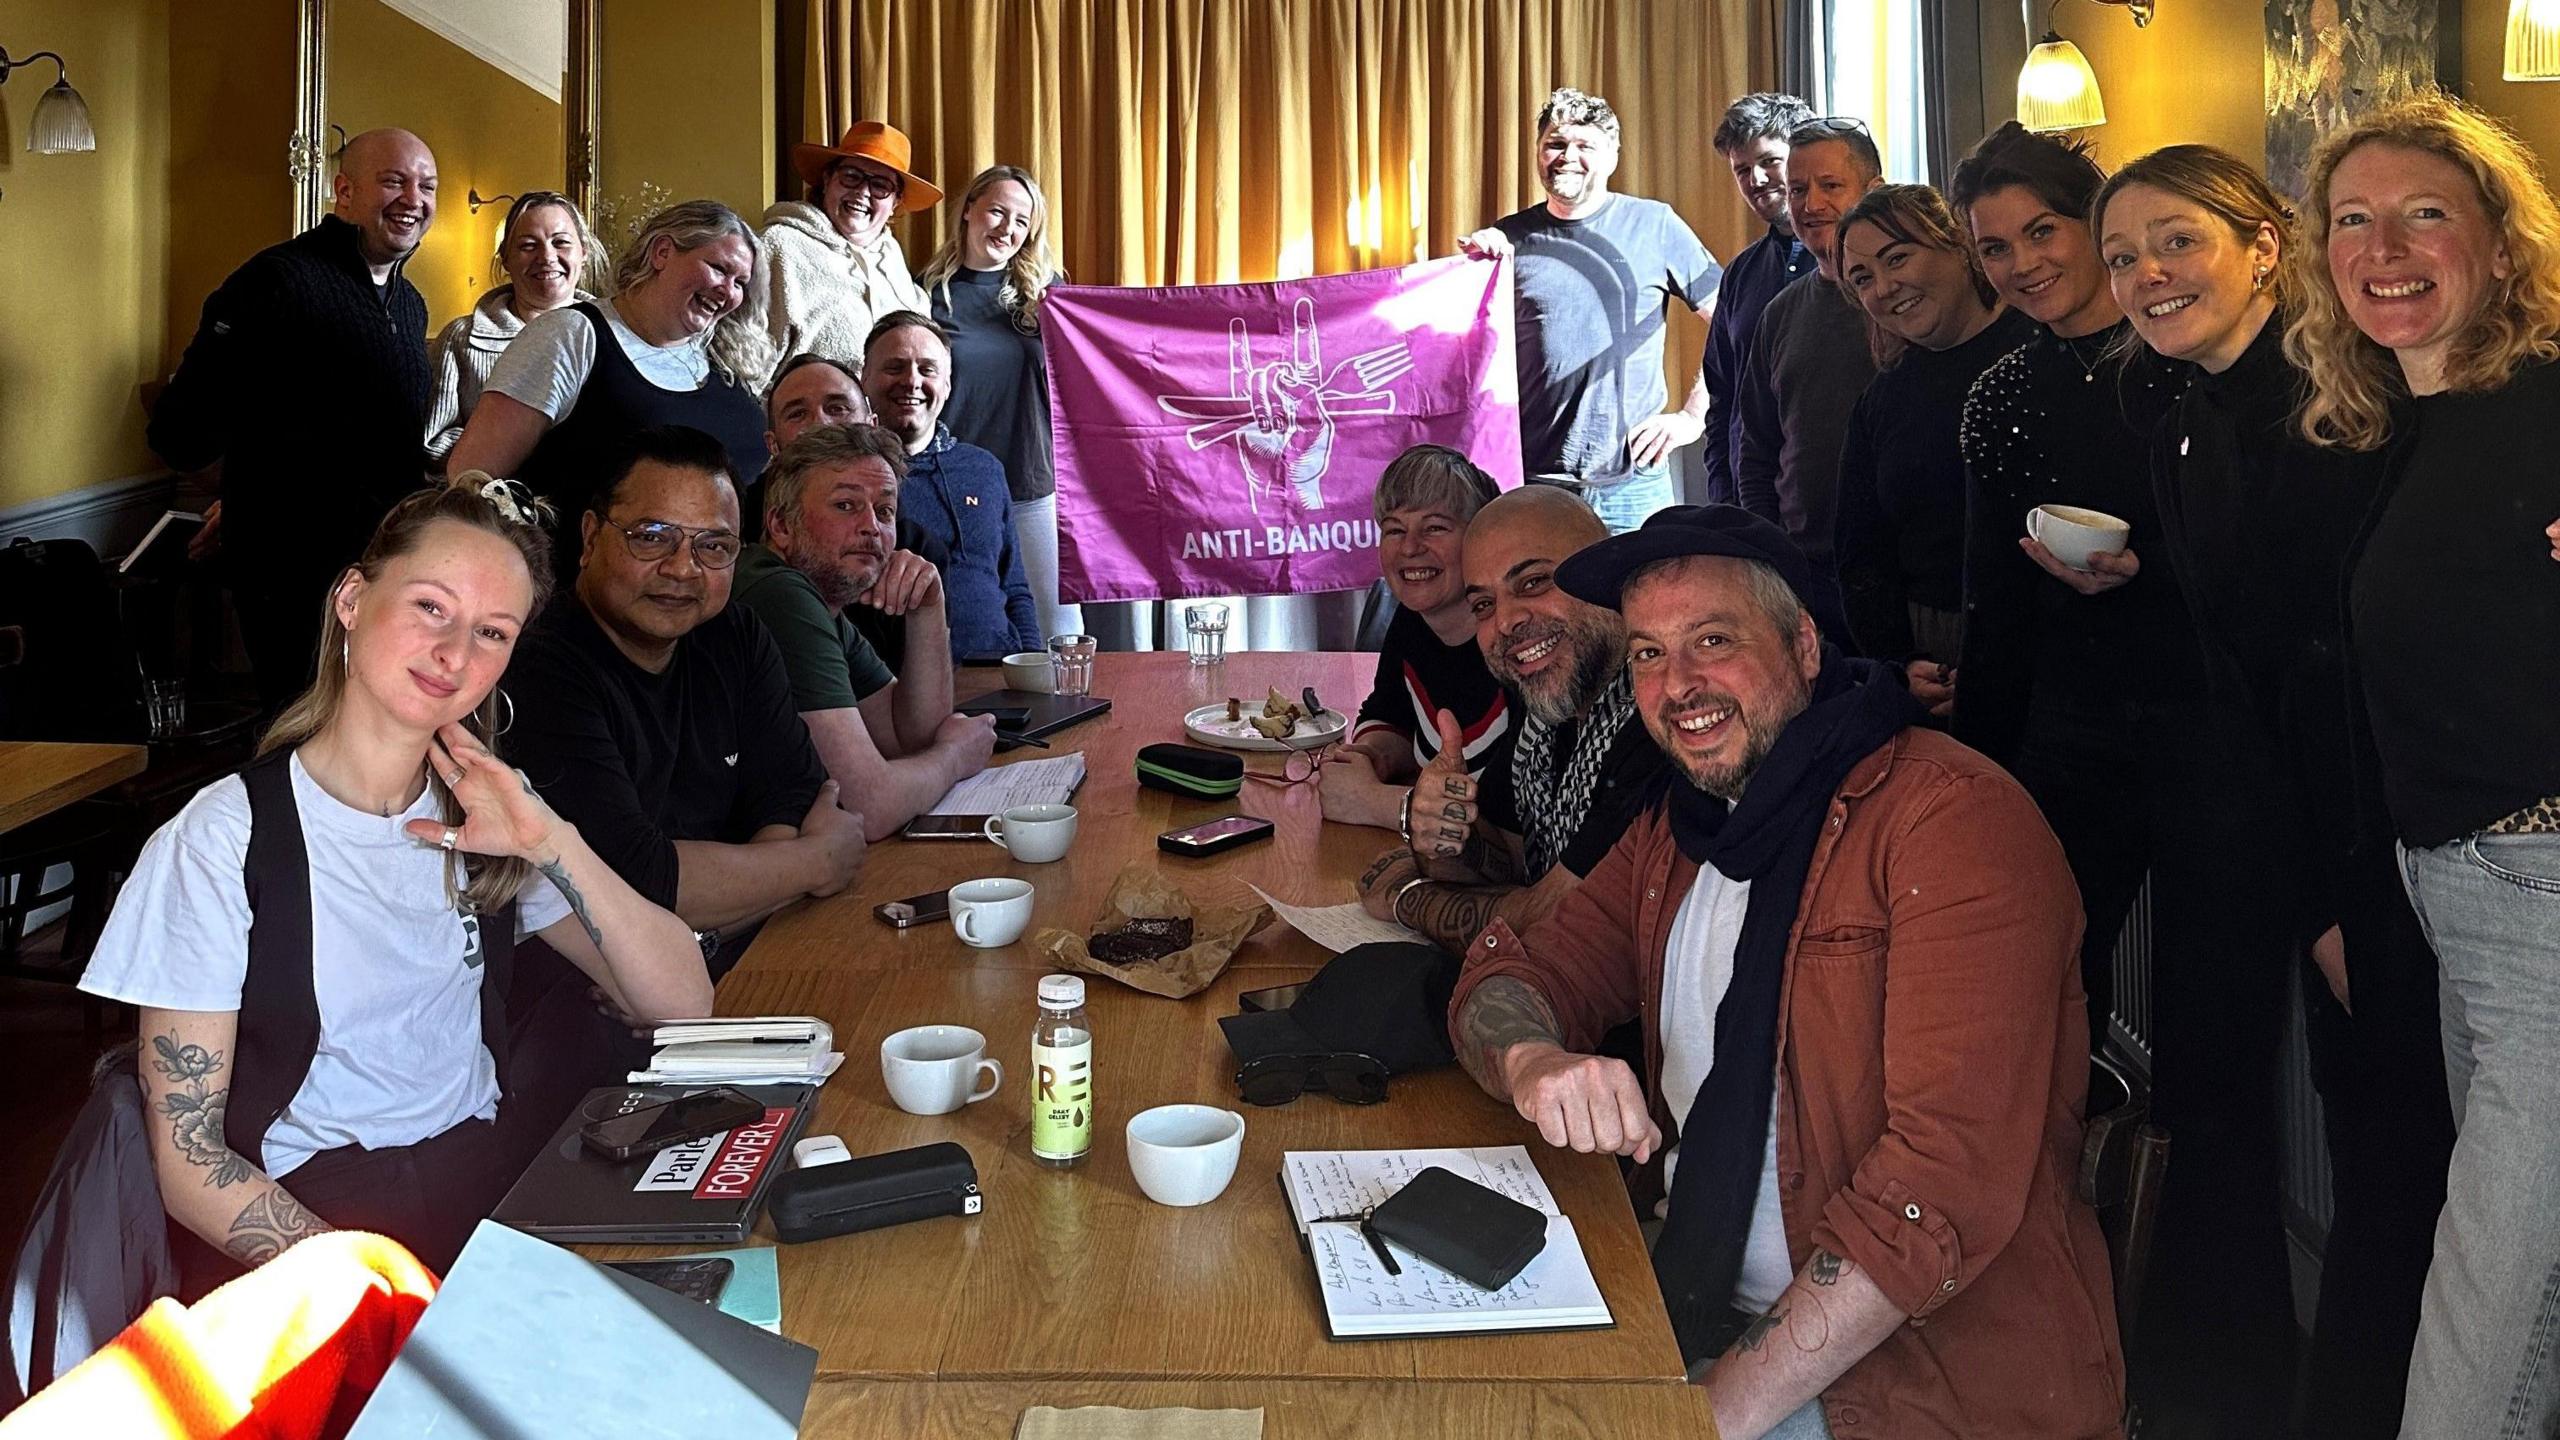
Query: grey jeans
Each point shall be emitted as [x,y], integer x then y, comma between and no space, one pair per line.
[2487,1365]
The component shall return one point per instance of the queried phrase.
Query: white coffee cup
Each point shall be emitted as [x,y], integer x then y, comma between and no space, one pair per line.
[1036,833]
[2074,534]
[1030,670]
[1184,1154]
[991,912]
[934,1069]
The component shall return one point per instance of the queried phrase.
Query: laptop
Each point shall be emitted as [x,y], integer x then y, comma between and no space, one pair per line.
[1031,714]
[704,1192]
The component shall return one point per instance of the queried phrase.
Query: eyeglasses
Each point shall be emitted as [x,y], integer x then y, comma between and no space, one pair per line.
[651,541]
[1351,1078]
[1303,767]
[884,186]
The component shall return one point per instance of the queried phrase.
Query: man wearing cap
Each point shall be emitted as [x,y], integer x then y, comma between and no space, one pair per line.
[1852,944]
[835,268]
[1581,768]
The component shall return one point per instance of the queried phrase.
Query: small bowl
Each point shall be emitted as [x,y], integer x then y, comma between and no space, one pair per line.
[1030,670]
[1184,1154]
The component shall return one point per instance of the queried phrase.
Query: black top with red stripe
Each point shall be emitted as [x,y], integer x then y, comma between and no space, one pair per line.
[1417,678]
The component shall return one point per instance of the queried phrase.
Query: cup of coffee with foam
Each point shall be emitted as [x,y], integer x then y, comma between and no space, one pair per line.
[2074,534]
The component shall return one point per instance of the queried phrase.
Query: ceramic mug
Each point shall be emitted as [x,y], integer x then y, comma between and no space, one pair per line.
[1036,833]
[1030,670]
[934,1069]
[2074,534]
[1184,1154]
[992,912]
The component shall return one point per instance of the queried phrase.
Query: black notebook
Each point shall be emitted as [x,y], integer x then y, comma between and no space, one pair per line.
[1038,714]
[705,1192]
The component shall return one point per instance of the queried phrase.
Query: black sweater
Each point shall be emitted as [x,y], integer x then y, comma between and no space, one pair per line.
[2455,608]
[2066,422]
[2258,521]
[309,383]
[1901,528]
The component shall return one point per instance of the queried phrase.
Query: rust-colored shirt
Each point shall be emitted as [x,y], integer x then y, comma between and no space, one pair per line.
[1933,1063]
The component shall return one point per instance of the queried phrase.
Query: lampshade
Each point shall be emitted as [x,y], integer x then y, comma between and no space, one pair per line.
[2533,40]
[2056,89]
[61,125]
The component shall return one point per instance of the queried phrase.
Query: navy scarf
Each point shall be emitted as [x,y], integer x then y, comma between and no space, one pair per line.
[1768,840]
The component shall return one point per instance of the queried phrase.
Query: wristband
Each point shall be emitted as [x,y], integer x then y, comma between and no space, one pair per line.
[1404,816]
[1395,906]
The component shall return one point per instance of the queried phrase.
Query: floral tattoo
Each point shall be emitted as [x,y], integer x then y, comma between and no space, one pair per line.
[195,1109]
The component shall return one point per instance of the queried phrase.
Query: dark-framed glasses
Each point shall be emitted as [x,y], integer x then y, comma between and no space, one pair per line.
[1352,1078]
[651,541]
[885,186]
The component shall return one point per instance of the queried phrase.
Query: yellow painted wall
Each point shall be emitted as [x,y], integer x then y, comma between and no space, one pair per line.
[230,116]
[2533,108]
[84,306]
[487,128]
[686,96]
[2196,73]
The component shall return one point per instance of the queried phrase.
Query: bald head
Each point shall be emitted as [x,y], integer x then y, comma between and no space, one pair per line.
[1556,651]
[386,188]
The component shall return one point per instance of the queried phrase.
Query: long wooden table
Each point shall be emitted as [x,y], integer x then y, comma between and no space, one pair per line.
[1073,1288]
[40,777]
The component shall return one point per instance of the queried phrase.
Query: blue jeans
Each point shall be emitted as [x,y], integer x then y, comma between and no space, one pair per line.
[1623,505]
[2487,1365]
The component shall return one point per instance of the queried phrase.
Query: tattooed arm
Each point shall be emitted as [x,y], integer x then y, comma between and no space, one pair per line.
[1509,1039]
[205,1185]
[1823,1323]
[1453,914]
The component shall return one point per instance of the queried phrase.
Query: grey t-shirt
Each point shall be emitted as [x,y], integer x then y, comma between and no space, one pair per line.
[1809,364]
[1590,296]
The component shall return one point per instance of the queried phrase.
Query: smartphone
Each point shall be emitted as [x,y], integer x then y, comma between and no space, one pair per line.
[704,1280]
[915,910]
[1215,836]
[946,827]
[652,1128]
[1278,997]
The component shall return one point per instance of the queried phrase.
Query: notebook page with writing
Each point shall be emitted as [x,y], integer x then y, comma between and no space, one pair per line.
[1346,1182]
[999,788]
[1556,1291]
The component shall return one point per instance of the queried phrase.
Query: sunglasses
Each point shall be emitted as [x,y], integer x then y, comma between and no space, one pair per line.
[651,541]
[1353,1079]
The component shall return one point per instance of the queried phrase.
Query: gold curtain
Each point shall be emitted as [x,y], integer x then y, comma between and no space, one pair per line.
[1201,141]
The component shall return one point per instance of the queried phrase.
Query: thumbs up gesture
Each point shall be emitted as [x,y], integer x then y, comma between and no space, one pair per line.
[1444,798]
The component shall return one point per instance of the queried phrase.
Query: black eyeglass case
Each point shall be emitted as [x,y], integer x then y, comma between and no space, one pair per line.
[873,1192]
[1191,771]
[1480,1236]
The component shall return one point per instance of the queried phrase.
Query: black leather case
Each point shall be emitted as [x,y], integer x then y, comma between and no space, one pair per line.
[874,1191]
[1476,1234]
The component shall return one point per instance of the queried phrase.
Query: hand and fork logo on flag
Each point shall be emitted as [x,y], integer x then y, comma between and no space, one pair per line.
[1280,415]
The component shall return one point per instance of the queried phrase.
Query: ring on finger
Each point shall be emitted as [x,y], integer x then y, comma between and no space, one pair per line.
[449,838]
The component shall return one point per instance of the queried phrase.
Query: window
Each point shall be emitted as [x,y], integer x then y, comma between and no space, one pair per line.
[1871,65]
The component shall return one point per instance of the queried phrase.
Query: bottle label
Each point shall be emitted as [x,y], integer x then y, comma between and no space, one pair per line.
[1061,1100]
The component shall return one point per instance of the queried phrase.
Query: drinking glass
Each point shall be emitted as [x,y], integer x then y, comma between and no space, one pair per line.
[1071,656]
[165,706]
[1208,626]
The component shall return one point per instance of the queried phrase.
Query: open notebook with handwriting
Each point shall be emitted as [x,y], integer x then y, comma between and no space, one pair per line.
[1361,1300]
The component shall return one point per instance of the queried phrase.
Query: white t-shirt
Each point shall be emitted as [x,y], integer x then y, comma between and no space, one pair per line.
[395,973]
[1694,976]
[548,364]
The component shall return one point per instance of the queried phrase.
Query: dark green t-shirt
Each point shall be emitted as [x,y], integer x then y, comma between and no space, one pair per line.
[832,666]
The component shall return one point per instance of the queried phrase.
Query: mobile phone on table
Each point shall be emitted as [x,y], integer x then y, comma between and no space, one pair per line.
[652,1128]
[1215,835]
[946,827]
[704,1280]
[915,910]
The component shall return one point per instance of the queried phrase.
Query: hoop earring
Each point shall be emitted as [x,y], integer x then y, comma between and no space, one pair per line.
[510,722]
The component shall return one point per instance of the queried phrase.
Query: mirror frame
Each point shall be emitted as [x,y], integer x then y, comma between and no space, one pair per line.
[307,154]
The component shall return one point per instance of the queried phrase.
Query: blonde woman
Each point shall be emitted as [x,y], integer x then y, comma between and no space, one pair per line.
[836,267]
[681,342]
[547,251]
[986,282]
[2429,324]
[314,943]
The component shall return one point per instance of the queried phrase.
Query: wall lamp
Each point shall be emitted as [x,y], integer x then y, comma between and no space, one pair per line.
[61,124]
[2533,40]
[2056,88]
[478,201]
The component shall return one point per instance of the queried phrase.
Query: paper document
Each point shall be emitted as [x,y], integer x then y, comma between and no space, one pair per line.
[1339,927]
[999,788]
[1346,1182]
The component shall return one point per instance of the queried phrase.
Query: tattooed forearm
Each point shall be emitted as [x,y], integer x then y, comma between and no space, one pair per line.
[1502,1013]
[1756,1334]
[195,1109]
[1824,1268]
[1451,915]
[558,873]
[267,1224]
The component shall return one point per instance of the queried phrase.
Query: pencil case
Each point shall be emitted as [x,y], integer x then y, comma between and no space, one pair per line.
[1189,770]
[873,1192]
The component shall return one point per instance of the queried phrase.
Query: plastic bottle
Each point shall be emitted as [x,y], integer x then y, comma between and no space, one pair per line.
[1062,1075]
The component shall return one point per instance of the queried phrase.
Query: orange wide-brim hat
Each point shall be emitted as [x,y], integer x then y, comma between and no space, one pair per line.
[880,143]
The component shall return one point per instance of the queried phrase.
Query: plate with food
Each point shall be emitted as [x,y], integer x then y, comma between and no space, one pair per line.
[1275,722]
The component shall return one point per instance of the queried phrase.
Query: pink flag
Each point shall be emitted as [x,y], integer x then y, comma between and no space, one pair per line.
[1227,439]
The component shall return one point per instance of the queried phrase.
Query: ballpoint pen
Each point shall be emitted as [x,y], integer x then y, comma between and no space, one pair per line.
[1369,1233]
